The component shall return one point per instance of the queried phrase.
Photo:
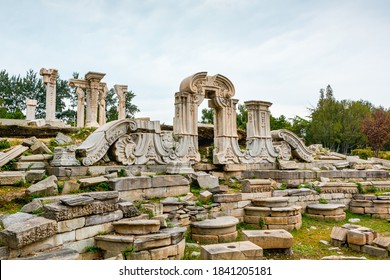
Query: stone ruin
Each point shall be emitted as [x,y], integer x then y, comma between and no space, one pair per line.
[150,163]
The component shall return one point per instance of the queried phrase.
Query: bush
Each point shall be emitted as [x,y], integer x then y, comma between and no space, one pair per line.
[4,144]
[363,153]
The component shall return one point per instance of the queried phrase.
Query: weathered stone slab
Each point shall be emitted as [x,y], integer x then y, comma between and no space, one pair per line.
[244,250]
[30,165]
[40,148]
[69,187]
[40,157]
[91,231]
[33,176]
[29,231]
[103,196]
[4,253]
[220,222]
[116,243]
[205,180]
[257,211]
[151,241]
[69,225]
[76,201]
[33,207]
[60,212]
[375,251]
[47,186]
[256,185]
[138,256]
[213,231]
[63,139]
[128,209]
[224,198]
[339,233]
[103,218]
[80,245]
[219,189]
[270,202]
[176,233]
[87,182]
[62,254]
[16,218]
[383,242]
[8,178]
[356,237]
[169,181]
[325,209]
[11,154]
[269,239]
[130,183]
[205,196]
[136,227]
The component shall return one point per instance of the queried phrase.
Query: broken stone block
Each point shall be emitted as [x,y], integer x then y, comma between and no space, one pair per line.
[40,148]
[33,176]
[383,242]
[269,239]
[219,189]
[60,212]
[69,187]
[339,234]
[62,254]
[24,165]
[39,157]
[18,217]
[37,123]
[205,196]
[128,209]
[103,218]
[136,227]
[130,183]
[111,196]
[224,198]
[151,241]
[62,139]
[21,234]
[76,201]
[33,207]
[176,233]
[169,181]
[205,181]
[9,178]
[65,157]
[47,187]
[375,251]
[11,154]
[244,250]
[356,237]
[87,182]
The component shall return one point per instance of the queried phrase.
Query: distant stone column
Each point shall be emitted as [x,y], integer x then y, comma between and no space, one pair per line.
[93,78]
[49,80]
[80,107]
[102,103]
[121,91]
[31,105]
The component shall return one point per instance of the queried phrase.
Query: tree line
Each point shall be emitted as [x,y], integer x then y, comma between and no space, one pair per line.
[14,90]
[340,125]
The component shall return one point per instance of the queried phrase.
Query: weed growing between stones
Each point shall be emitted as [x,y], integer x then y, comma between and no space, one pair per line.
[127,251]
[93,249]
[323,201]
[4,144]
[9,166]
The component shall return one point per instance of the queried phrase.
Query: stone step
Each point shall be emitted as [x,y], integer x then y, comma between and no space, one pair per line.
[325,209]
[62,254]
[136,227]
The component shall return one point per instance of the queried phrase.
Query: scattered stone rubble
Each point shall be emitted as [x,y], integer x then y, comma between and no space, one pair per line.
[361,239]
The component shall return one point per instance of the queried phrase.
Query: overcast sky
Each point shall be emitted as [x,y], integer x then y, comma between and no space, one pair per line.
[277,51]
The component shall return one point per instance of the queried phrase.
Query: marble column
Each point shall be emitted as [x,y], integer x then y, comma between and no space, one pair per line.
[49,80]
[31,105]
[102,103]
[121,91]
[93,78]
[80,107]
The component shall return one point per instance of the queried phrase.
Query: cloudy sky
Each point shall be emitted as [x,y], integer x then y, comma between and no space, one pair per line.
[277,51]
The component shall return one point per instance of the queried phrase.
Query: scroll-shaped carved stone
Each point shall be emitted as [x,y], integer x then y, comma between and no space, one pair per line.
[298,147]
[98,143]
[283,149]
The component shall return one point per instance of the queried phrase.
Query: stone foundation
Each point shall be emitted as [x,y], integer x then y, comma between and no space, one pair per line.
[376,206]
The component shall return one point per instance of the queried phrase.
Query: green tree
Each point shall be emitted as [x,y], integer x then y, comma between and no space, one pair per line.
[112,105]
[242,117]
[207,116]
[280,122]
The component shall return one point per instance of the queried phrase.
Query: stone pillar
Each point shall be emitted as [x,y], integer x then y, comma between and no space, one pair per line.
[93,78]
[31,105]
[226,150]
[259,139]
[121,91]
[80,107]
[102,104]
[49,80]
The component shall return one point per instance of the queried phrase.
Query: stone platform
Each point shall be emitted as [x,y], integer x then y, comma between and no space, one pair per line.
[273,213]
[210,231]
[327,212]
[244,250]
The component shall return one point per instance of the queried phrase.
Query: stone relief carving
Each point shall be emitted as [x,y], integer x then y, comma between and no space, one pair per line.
[143,142]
